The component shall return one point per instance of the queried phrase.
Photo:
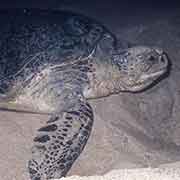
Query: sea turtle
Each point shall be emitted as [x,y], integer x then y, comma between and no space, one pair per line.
[54,61]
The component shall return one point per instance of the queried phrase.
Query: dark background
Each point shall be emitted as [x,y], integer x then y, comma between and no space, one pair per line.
[103,10]
[116,3]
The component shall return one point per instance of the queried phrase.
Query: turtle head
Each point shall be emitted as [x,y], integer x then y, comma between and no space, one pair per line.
[139,67]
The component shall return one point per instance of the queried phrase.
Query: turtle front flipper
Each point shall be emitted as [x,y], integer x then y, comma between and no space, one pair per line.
[58,144]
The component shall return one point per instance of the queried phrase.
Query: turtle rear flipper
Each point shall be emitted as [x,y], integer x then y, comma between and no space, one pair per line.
[58,144]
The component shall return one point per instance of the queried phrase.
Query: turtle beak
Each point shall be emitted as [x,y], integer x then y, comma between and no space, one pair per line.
[163,60]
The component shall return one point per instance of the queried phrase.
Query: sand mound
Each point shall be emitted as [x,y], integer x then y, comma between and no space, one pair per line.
[135,174]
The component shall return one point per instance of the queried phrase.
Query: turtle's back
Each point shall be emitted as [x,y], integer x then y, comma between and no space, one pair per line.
[31,40]
[27,33]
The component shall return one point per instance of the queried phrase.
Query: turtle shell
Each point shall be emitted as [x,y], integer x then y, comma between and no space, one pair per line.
[28,33]
[30,38]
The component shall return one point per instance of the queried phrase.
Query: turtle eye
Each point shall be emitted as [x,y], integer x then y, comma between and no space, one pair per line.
[152,59]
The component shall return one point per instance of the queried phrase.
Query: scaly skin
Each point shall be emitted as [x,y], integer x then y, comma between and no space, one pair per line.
[55,66]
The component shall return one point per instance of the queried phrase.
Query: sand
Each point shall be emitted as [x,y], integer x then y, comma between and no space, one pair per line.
[135,174]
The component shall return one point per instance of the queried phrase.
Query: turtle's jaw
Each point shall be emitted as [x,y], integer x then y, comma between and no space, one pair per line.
[153,76]
[146,80]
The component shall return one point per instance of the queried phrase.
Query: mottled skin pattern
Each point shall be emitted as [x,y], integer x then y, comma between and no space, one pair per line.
[54,62]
